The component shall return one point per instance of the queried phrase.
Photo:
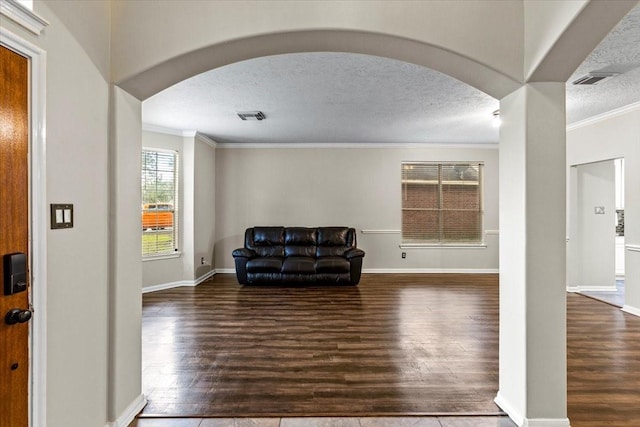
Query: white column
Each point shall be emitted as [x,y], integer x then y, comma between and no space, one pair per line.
[632,222]
[125,265]
[532,256]
[188,213]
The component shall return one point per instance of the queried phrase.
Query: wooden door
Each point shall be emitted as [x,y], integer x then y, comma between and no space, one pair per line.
[14,237]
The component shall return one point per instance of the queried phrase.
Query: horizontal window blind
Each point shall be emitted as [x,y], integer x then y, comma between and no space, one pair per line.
[159,202]
[442,203]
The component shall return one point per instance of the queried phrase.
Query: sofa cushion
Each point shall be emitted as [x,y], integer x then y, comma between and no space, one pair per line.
[331,264]
[300,241]
[259,265]
[334,241]
[299,265]
[266,241]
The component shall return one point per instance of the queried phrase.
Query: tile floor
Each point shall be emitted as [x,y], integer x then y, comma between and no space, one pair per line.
[327,422]
[614,298]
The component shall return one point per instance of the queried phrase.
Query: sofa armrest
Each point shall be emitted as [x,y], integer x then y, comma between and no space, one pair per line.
[354,253]
[243,253]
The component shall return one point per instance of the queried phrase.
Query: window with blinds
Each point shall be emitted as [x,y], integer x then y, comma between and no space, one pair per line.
[442,203]
[159,202]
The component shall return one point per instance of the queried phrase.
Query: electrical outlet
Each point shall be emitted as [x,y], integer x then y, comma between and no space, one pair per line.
[202,260]
[404,255]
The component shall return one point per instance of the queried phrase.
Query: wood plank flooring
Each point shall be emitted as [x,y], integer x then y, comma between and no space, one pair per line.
[394,345]
[603,364]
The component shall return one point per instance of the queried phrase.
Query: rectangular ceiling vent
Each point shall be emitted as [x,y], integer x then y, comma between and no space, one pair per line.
[251,115]
[593,78]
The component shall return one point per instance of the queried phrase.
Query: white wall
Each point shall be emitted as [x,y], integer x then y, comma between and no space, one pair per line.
[596,232]
[77,129]
[491,40]
[616,135]
[125,269]
[544,23]
[79,62]
[204,205]
[162,271]
[196,217]
[532,375]
[513,315]
[357,187]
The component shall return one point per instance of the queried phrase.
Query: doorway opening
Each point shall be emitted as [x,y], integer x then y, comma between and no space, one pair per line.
[597,211]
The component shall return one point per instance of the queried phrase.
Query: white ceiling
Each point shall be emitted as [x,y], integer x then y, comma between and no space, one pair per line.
[618,52]
[347,98]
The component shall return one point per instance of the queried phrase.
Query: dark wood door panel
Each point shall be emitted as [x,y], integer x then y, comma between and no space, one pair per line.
[14,223]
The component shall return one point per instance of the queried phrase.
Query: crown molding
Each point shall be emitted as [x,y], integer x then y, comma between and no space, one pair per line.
[22,16]
[604,116]
[204,138]
[433,145]
[183,133]
[164,130]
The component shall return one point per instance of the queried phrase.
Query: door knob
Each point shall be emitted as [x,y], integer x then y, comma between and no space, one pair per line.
[15,315]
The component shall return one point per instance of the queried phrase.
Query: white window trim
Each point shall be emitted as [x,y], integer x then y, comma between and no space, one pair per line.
[177,253]
[449,245]
[160,257]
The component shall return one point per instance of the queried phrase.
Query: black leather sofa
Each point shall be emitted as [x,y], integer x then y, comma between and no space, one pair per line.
[299,255]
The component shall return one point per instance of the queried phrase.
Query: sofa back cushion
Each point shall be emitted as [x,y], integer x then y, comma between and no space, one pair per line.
[300,241]
[265,241]
[335,241]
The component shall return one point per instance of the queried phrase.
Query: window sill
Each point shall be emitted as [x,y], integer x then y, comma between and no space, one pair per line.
[161,257]
[443,246]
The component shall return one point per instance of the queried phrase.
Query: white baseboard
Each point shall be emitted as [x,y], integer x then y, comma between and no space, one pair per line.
[204,277]
[515,415]
[597,289]
[406,270]
[521,421]
[171,285]
[631,310]
[431,270]
[547,422]
[573,289]
[130,413]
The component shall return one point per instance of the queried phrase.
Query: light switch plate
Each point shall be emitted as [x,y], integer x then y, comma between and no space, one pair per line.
[599,210]
[61,216]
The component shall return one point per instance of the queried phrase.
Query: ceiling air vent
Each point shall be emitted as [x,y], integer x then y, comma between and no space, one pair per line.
[251,115]
[593,78]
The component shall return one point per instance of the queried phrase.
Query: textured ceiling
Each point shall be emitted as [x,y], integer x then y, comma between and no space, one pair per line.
[346,98]
[326,97]
[618,52]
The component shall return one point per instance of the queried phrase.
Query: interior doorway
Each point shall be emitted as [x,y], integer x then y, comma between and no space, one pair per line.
[596,216]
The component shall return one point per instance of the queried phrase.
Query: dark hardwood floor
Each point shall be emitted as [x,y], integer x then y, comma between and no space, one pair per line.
[394,345]
[603,364]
